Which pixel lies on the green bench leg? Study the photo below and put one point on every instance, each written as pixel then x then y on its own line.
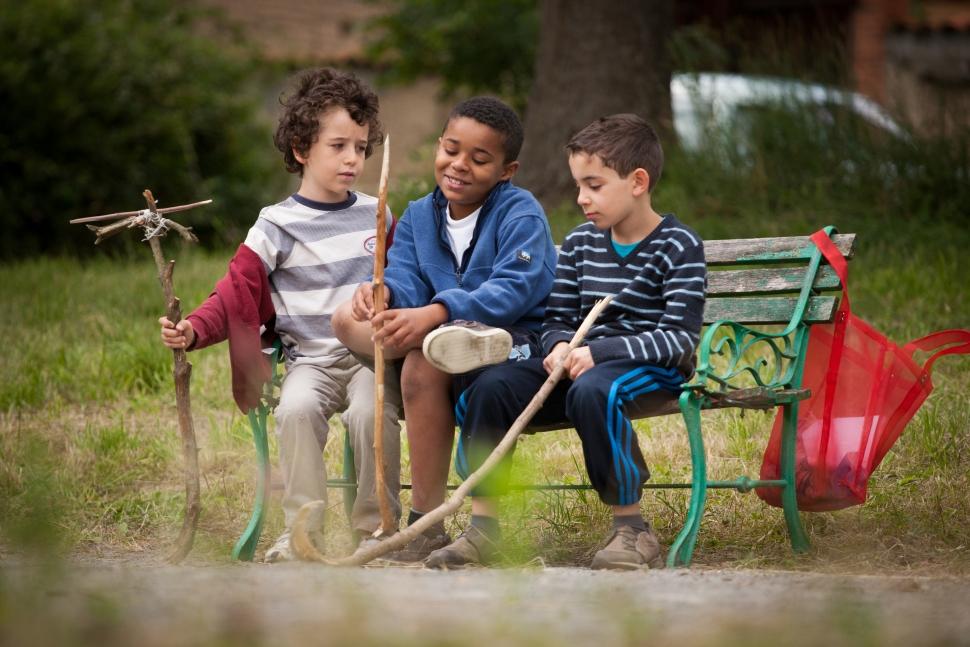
pixel 245 548
pixel 349 476
pixel 683 547
pixel 789 501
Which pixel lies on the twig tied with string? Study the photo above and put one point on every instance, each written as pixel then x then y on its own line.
pixel 388 527
pixel 154 226
pixel 306 550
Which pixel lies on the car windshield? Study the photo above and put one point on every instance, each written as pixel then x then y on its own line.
pixel 730 106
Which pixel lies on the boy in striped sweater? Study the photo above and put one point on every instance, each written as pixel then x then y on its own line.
pixel 636 356
pixel 301 258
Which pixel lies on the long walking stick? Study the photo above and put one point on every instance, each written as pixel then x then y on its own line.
pixel 387 517
pixel 306 550
pixel 155 226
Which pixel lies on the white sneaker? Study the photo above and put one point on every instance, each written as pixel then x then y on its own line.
pixel 462 346
pixel 280 551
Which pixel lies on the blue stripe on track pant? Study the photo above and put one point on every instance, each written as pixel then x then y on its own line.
pixel 596 404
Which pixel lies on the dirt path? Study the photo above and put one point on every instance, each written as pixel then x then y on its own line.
pixel 294 604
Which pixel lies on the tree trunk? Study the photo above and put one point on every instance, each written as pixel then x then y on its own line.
pixel 594 59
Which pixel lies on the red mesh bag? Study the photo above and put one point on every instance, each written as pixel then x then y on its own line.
pixel 865 389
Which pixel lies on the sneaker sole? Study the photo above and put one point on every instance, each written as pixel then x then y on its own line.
pixel 456 350
pixel 617 563
pixel 412 557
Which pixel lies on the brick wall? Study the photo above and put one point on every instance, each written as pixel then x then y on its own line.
pixel 928 78
pixel 871 22
pixel 308 30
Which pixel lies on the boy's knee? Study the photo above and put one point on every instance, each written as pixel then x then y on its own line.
pixel 342 322
pixel 360 416
pixel 300 419
pixel 418 377
pixel 299 405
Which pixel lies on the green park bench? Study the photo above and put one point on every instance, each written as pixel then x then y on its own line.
pixel 763 295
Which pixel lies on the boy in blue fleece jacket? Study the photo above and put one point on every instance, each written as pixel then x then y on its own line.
pixel 477 249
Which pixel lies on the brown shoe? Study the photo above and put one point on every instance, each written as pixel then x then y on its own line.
pixel 630 549
pixel 420 547
pixel 462 346
pixel 472 548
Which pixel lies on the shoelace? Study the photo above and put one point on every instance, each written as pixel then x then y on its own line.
pixel 628 536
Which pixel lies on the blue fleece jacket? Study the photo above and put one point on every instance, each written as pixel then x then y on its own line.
pixel 505 274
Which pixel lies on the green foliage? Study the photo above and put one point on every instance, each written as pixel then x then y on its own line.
pixel 103 99
pixel 106 339
pixel 475 47
pixel 787 50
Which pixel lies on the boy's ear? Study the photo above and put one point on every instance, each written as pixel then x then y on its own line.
pixel 510 170
pixel 300 157
pixel 641 182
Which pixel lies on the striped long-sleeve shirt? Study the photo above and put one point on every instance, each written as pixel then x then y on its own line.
pixel 315 255
pixel 658 295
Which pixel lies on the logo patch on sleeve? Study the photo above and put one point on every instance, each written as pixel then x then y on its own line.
pixel 524 256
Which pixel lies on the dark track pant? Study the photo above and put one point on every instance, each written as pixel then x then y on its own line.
pixel 596 404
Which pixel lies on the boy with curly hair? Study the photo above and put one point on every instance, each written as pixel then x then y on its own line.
pixel 303 257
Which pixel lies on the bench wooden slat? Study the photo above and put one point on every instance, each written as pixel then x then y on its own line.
pixel 739 251
pixel 767 310
pixel 768 280
pixel 752 398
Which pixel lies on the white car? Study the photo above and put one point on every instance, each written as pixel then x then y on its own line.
pixel 708 104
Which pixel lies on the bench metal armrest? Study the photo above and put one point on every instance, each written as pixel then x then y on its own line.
pixel 776 361
pixel 735 343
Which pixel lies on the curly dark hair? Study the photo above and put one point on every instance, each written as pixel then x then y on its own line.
pixel 625 142
pixel 317 91
pixel 498 116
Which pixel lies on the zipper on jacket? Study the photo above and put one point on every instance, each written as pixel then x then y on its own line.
pixel 442 236
pixel 454 263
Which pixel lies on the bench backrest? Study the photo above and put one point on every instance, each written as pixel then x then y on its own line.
pixel 757 280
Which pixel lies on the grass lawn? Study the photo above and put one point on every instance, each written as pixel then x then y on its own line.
pixel 90 459
pixel 89 452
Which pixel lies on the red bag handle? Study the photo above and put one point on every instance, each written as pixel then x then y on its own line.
pixel 958 341
pixel 929 343
pixel 937 340
pixel 837 261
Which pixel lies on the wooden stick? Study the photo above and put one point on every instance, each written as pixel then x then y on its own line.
pixel 125 214
pixel 388 527
pixel 182 372
pixel 307 551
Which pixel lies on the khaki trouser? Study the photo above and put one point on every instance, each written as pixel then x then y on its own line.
pixel 309 396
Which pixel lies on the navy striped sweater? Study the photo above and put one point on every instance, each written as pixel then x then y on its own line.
pixel 658 295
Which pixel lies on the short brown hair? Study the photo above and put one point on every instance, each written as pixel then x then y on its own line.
pixel 625 142
pixel 318 91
